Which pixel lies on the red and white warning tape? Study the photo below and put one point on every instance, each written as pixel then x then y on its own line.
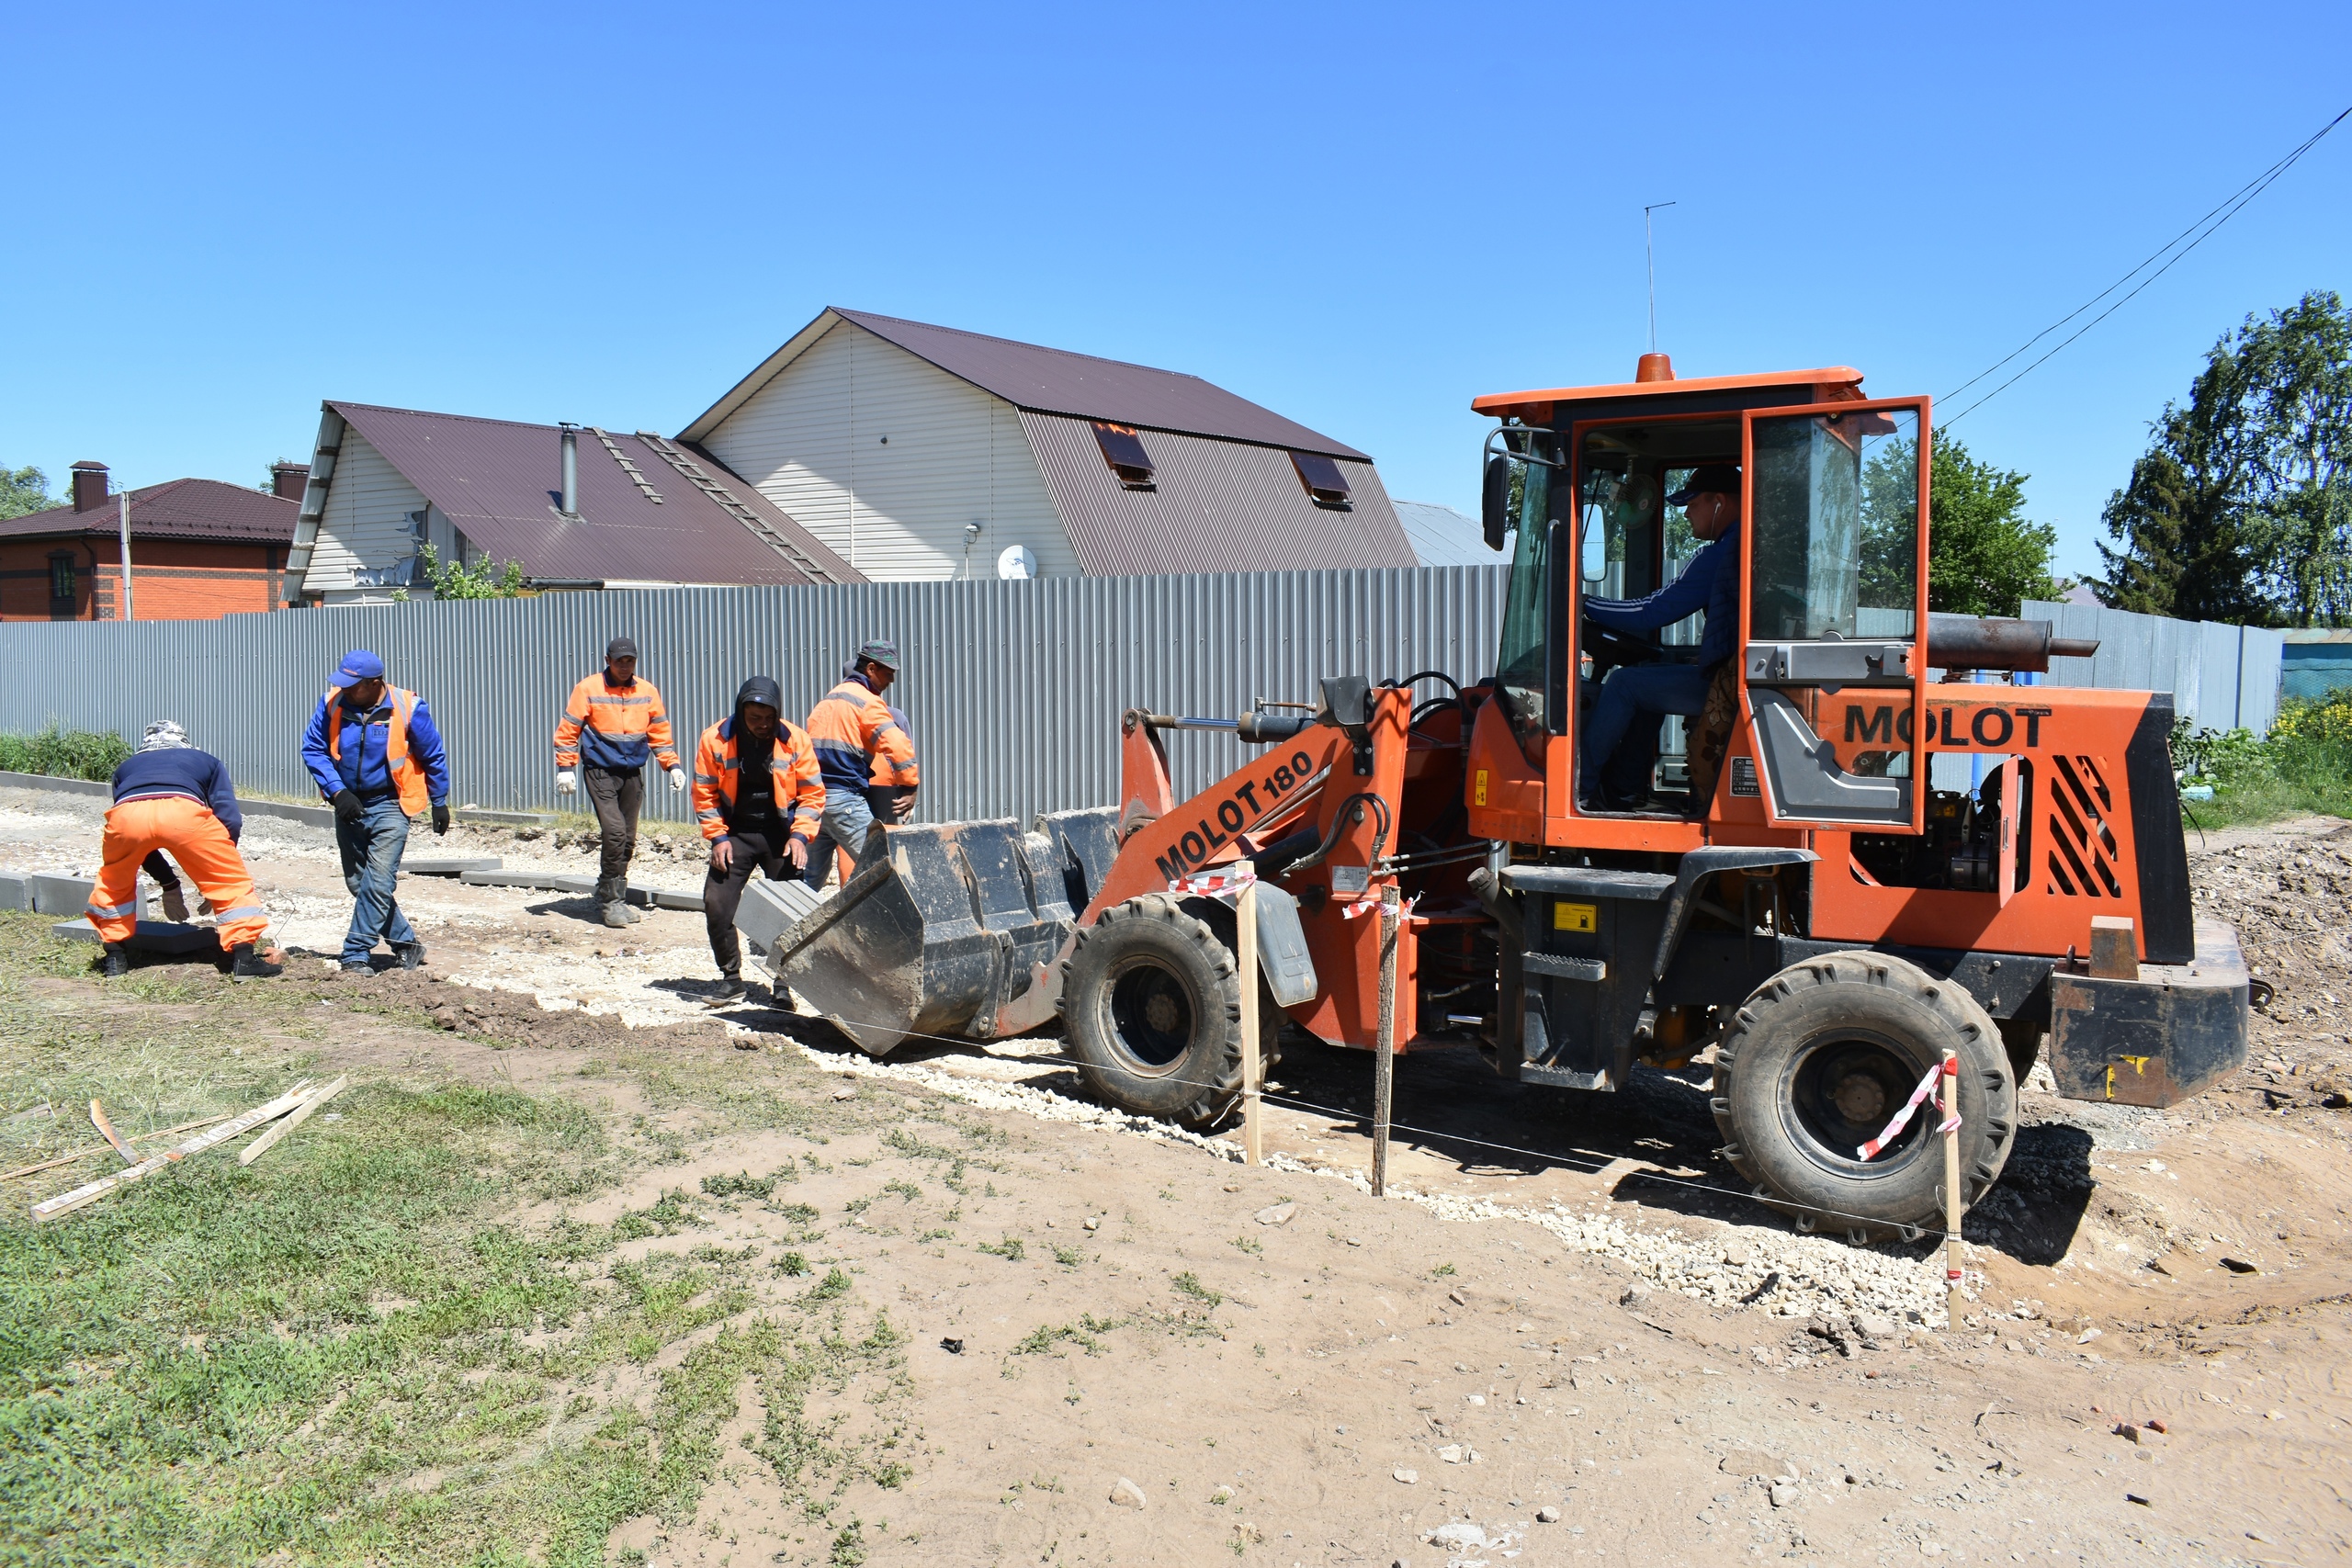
pixel 1231 880
pixel 1903 1117
pixel 1366 906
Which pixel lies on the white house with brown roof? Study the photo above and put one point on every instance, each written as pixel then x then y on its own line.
pixel 919 452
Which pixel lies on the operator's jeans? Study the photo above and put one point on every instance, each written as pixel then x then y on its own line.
pixel 371 867
pixel 1649 692
pixel 849 822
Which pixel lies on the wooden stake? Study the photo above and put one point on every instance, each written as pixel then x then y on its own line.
pixel 1951 1192
pixel 1253 1067
pixel 294 1119
pixel 1384 1048
pixel 90 1193
pixel 101 1148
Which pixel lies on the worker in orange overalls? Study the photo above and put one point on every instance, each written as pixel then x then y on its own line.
pixel 613 722
pixel 169 795
pixel 373 750
pixel 758 800
pixel 860 744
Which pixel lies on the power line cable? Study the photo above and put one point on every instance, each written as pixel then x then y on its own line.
pixel 2171 252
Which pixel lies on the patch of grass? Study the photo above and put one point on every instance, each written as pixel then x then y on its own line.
pixel 792 1265
pixel 1084 1333
pixel 907 1190
pixel 2302 767
pixel 1068 1257
pixel 743 1186
pixel 1010 1249
pixel 59 753
pixel 1250 1244
pixel 1442 1271
pixel 1189 1284
pixel 229 1364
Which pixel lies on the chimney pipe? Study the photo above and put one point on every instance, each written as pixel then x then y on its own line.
pixel 89 486
pixel 286 480
pixel 570 468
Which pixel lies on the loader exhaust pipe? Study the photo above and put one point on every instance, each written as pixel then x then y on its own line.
pixel 1970 642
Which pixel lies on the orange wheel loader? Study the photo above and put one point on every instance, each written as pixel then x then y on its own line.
pixel 1768 868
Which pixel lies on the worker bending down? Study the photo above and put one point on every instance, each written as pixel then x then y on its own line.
pixel 613 722
pixel 374 753
pixel 169 795
pixel 758 800
pixel 860 745
pixel 1647 693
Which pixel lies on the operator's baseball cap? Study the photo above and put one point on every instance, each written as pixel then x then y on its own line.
pixel 358 665
pixel 1720 479
pixel 621 648
pixel 883 651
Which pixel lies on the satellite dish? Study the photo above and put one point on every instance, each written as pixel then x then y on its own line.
pixel 1016 564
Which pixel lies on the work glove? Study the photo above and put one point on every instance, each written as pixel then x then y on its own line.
pixel 440 820
pixel 677 778
pixel 346 805
pixel 566 781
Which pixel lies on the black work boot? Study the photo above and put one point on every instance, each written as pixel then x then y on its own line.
pixel 244 964
pixel 731 991
pixel 410 954
pixel 118 960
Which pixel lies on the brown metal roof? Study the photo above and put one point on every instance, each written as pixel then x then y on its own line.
pixel 177 509
pixel 1053 381
pixel 501 482
pixel 1217 506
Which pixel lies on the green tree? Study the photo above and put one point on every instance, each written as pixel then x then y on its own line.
pixel 23 490
pixel 1986 558
pixel 455 579
pixel 2241 509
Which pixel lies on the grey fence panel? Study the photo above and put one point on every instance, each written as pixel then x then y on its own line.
pixel 2221 677
pixel 1012 690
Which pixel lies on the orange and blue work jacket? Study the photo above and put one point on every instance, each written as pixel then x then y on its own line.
pixel 858 743
pixel 798 793
pixel 613 727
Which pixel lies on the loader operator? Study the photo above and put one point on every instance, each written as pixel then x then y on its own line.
pixel 1647 693
pixel 613 722
pixel 758 801
pixel 861 745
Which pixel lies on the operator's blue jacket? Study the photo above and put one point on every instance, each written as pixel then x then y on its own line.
pixel 1710 582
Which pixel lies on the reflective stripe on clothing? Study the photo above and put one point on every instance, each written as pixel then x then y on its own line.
pixel 194 837
pixel 791 772
pixel 857 742
pixel 616 728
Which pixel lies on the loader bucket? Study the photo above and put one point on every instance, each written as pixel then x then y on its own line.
pixel 942 929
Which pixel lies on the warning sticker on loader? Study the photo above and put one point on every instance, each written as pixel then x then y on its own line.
pixel 1568 917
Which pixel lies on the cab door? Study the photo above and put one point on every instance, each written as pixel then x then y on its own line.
pixel 1834 600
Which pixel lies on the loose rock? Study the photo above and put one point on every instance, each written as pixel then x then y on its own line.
pixel 1126 1493
pixel 1278 1214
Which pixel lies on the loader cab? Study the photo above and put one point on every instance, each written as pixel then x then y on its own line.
pixel 1828 547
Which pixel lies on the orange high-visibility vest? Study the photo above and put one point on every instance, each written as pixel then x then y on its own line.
pixel 408 779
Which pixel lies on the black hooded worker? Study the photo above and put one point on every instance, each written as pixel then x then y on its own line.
pixel 758 800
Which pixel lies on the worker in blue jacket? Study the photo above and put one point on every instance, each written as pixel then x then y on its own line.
pixel 374 753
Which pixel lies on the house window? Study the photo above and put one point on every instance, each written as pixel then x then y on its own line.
pixel 1326 486
pixel 61 577
pixel 1122 450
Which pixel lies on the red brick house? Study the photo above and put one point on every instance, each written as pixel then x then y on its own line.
pixel 199 549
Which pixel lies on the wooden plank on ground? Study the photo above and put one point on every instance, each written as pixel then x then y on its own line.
pixel 90 1193
pixel 311 1101
pixel 101 1148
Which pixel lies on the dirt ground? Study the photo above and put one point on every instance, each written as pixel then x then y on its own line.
pixel 1568 1340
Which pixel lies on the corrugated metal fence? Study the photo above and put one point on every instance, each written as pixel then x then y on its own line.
pixel 2221 677
pixel 1012 690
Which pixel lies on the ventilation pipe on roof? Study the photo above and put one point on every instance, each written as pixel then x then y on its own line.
pixel 570 468
pixel 89 485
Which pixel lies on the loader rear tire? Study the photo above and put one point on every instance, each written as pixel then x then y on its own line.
pixel 1818 1060
pixel 1152 1002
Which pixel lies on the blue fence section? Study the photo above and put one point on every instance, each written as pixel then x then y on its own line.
pixel 2221 677
pixel 1012 690
pixel 2318 662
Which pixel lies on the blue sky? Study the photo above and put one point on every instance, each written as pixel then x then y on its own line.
pixel 1360 216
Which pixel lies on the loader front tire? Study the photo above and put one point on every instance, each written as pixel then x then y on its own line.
pixel 1817 1061
pixel 1152 1002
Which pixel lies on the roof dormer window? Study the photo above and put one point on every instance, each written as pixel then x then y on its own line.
pixel 1326 486
pixel 1122 450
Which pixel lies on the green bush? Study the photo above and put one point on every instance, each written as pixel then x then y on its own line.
pixel 64 754
pixel 2303 765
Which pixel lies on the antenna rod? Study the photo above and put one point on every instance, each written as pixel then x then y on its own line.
pixel 1649 254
